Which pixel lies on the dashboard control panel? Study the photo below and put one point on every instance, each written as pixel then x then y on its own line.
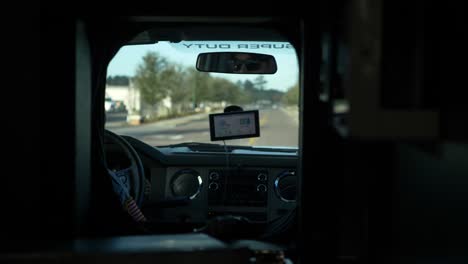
pixel 238 187
pixel 260 194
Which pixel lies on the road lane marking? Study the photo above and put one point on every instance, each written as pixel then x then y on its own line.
pixel 291 113
pixel 176 137
pixel 263 121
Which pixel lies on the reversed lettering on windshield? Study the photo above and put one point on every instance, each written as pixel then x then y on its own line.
pixel 237 46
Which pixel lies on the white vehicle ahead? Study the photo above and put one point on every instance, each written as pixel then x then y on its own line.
pixel 109 105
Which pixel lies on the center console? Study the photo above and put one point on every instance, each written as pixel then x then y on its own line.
pixel 238 191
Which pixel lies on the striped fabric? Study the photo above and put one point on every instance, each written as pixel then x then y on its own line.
pixel 122 192
pixel 134 211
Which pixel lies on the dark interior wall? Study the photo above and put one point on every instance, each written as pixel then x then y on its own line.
pixel 430 181
pixel 56 151
pixel 403 54
pixel 21 122
pixel 403 199
pixel 366 196
pixel 423 63
pixel 453 58
pixel 39 123
pixel 432 189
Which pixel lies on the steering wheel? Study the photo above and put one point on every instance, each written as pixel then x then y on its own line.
pixel 134 175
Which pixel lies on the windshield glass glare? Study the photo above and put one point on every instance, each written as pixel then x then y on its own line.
pixel 154 93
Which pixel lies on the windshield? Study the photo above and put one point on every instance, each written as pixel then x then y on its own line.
pixel 160 98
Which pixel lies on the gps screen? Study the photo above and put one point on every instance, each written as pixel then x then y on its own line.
pixel 234 125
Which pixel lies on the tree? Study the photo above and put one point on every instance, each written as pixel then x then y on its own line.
pixel 233 93
pixel 199 84
pixel 249 86
pixel 173 78
pixel 250 91
pixel 260 82
pixel 118 80
pixel 225 90
pixel 148 78
pixel 292 96
pixel 272 95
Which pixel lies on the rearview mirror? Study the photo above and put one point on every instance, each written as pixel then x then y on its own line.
pixel 236 62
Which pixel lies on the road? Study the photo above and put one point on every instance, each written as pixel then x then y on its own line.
pixel 278 127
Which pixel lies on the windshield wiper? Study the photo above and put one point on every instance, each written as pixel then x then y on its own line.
pixel 208 147
pixel 213 147
pixel 197 146
pixel 192 144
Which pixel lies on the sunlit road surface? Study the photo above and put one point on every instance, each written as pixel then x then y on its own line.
pixel 278 127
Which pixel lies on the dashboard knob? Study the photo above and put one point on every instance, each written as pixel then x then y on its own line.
pixel 261 188
pixel 213 186
pixel 262 177
pixel 214 176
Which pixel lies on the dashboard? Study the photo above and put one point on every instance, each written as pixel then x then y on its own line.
pixel 257 184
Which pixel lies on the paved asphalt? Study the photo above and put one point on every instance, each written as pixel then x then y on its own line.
pixel 278 127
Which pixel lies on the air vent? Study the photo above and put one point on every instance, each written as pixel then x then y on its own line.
pixel 286 186
pixel 186 183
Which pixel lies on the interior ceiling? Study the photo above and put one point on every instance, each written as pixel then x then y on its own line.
pixel 214 32
pixel 208 28
pixel 204 19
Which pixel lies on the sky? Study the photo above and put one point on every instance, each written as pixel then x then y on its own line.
pixel 185 53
